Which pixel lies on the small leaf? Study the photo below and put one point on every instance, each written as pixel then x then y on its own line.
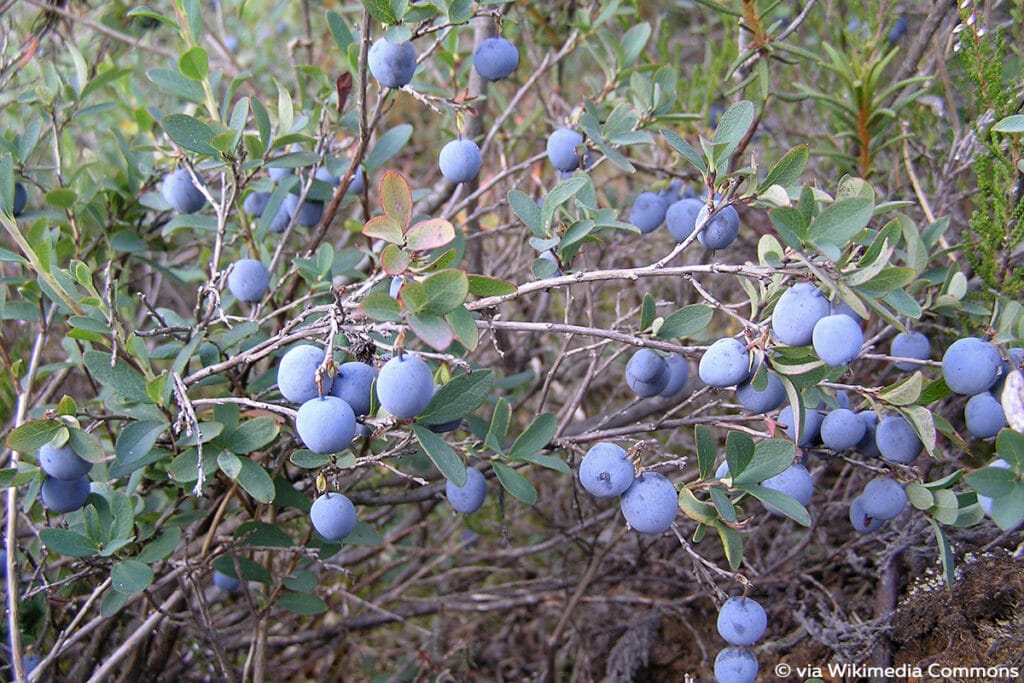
pixel 785 504
pixel 686 322
pixel 921 418
pixel 739 451
pixel 384 228
pixel 31 436
pixel 705 440
pixel 395 260
pixel 771 457
pixel 1010 446
pixel 993 482
pixel 647 312
pixel 458 398
pixel 120 376
pixel 732 543
pixel 429 234
pixel 840 222
pixel 262 534
pixel 515 483
pixel 305 604
pixel 685 150
pixel 733 125
pixel 396 199
pixel 381 307
pixel 189 133
pixel 920 497
pixel 1011 124
pixel 483 286
pixel 137 440
pixel 442 455
pixel 788 170
pixel 70 543
pixel 309 460
pixel 251 435
pixel 528 212
pixel 432 329
pixel 130 576
pixel 388 145
pixel 438 293
pixel 904 392
pixel 194 64
pixel 945 554
pixel 1008 510
pixel 381 11
pixel 161 547
pixel 695 509
pixel 498 427
pixel 536 437
pixel 255 480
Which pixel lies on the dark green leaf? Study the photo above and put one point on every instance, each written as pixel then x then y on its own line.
pixel 340 31
pixel 705 440
pixel 432 329
pixel 194 64
pixel 381 11
pixel 189 133
pixel 723 505
pixel 262 534
pixel 68 542
pixel 86 445
pixel 442 455
pixel 255 480
pixel 31 436
pixel 515 483
pixel 251 435
pixel 739 451
pixel 770 457
pixel 732 543
pixel 120 376
pixel 787 505
pixel 686 322
pixel 840 222
pixel 788 170
pixel 685 150
pixel 305 604
pixel 1008 510
pixel 483 286
pixel 1010 445
pixel 172 82
pixel 528 211
pixel 161 547
pixel 458 398
pixel 647 311
pixel 945 554
pixel 388 145
pixel 137 439
pixel 130 576
pixel 381 307
pixel 535 437
pixel 550 462
pixel 498 427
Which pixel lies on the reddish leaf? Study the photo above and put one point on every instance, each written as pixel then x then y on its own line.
pixel 344 85
pixel 384 228
pixel 396 199
pixel 429 234
pixel 433 330
pixel 395 260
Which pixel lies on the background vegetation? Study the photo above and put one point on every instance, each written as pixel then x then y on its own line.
pixel 885 167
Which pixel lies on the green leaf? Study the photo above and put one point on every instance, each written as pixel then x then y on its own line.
pixel 194 64
pixel 739 451
pixel 921 419
pixel 70 543
pixel 395 198
pixel 31 436
pixel 732 543
pixel 189 133
pixel 137 439
pixel 726 510
pixel 1011 124
pixel 550 462
pixel 432 329
pixel 791 224
pixel 364 534
pixel 262 534
pixel 920 497
pixel 230 464
pixel 732 127
pixel 945 554
pixel 388 145
pixel 394 260
pixel 305 604
pixel 686 322
pixel 695 509
pixel 463 324
pixel 381 10
pixel 483 286
pixel 705 440
pixel 1010 446
pixel 458 398
pixel 535 437
pixel 787 505
pixel 255 480
pixel 161 547
pixel 515 483
pixel 172 82
pixel 441 454
pixel 309 460
pixel 560 194
pixel 685 150
pixel 905 392
pixel 770 457
pixel 993 482
pixel 528 211
pixel 86 445
pixel 251 435
pixel 430 234
pixel 788 170
pixel 381 306
pixel 840 222
pixel 120 377
pixel 647 312
pixel 340 31
pixel 498 427
pixel 1008 510
pixel 889 279
pixel 130 576
pixel 436 294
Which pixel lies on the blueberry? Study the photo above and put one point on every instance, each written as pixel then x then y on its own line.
pixel 910 345
pixel 863 522
pixel 62 463
pixel 60 495
pixel 459 161
pixel 392 64
pixel 650 503
pixel 325 425
pixel 741 621
pixel 354 384
pixel 726 363
pixel 249 280
pixel 842 429
pixel 794 481
pixel 681 217
pixel 678 374
pixel 495 58
pixel 796 312
pixel 984 415
pixel 225 582
pixel 20 200
pixel 837 339
pixel 405 386
pixel 897 30
pixel 561 149
pixel 309 213
pixel 469 498
pixel 720 230
pixel 281 220
pixel 671 193
pixel 883 498
pixel 255 202
pixel 333 516
pixel 31 662
pixel 355 186
pixel 647 373
pixel 810 426
pixel 971 365
pixel 735 665
pixel 181 193
pixel 867 446
pixel 296 373
pixel 764 401
pixel 897 441
pixel 606 470
pixel 648 211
